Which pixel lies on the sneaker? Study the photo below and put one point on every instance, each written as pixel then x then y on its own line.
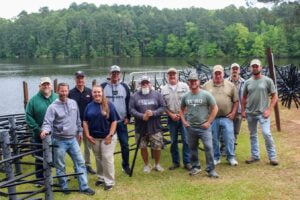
pixel 126 170
pixel 194 171
pixel 158 168
pixel 274 162
pixel 188 167
pixel 90 170
pixel 251 160
pixel 88 191
pixel 147 169
pixel 38 185
pixel 108 187
pixel 213 174
pixel 174 166
pixel 216 162
pixel 99 183
pixel 66 191
pixel 233 162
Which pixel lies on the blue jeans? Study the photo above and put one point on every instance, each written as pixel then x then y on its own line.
pixel 174 128
pixel 122 133
pixel 71 147
pixel 193 140
pixel 224 126
pixel 265 126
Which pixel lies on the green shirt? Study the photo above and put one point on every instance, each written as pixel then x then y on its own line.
pixel 258 92
pixel 36 110
pixel 198 107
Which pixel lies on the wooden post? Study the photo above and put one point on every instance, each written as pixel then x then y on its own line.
pixel 55 85
pixel 25 93
pixel 273 77
pixel 94 82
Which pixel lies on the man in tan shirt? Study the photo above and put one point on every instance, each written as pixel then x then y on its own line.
pixel 226 97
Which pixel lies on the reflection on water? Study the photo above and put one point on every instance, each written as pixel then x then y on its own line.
pixel 14 71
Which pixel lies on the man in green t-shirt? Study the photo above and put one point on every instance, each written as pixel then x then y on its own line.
pixel 256 108
pixel 198 110
pixel 35 112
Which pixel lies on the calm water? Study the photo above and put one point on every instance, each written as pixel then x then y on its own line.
pixel 14 71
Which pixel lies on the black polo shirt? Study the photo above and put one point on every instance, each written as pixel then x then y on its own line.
pixel 82 98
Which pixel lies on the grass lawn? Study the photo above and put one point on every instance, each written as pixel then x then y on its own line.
pixel 255 181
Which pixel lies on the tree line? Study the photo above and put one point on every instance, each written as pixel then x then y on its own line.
pixel 85 30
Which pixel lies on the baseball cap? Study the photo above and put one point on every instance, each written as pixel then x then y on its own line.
pixel 255 62
pixel 144 78
pixel 218 68
pixel 172 69
pixel 234 65
pixel 79 74
pixel 193 76
pixel 115 68
pixel 45 80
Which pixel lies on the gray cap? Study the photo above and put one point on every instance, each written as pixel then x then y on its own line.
pixel 193 76
pixel 79 74
pixel 45 80
pixel 115 68
pixel 144 78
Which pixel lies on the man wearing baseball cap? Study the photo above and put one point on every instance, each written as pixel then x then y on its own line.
pixel 118 94
pixel 147 106
pixel 35 113
pixel 257 109
pixel 172 93
pixel 83 96
pixel 226 97
pixel 200 108
pixel 238 81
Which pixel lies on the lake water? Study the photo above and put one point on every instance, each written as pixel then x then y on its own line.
pixel 14 71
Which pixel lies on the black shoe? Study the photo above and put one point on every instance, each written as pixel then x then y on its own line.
pixel 88 191
pixel 274 162
pixel 174 166
pixel 99 183
pixel 66 191
pixel 127 170
pixel 188 167
pixel 108 187
pixel 251 160
pixel 90 170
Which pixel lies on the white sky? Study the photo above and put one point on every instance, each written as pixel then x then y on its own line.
pixel 11 8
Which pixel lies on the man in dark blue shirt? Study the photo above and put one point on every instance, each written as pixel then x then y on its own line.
pixel 83 96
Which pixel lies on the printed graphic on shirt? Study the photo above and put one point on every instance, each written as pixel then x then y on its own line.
pixel 194 102
pixel 146 102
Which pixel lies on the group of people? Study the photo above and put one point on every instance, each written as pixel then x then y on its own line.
pixel 212 112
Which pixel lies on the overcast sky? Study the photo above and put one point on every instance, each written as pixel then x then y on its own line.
pixel 11 8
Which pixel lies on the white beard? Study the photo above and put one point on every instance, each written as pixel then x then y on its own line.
pixel 145 91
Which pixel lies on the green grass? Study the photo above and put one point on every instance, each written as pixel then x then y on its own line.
pixel 256 181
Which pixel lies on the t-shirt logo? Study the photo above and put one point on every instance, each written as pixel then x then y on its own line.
pixel 115 92
pixel 194 102
pixel 88 96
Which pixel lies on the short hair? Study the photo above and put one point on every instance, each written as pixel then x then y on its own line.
pixel 62 85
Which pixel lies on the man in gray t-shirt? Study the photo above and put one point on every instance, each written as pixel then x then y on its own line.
pixel 256 108
pixel 200 108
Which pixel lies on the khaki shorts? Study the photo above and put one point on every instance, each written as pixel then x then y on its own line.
pixel 155 140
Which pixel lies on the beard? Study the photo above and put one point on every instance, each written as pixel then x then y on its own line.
pixel 256 73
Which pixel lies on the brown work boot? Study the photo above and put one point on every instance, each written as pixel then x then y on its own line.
pixel 252 160
pixel 274 162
